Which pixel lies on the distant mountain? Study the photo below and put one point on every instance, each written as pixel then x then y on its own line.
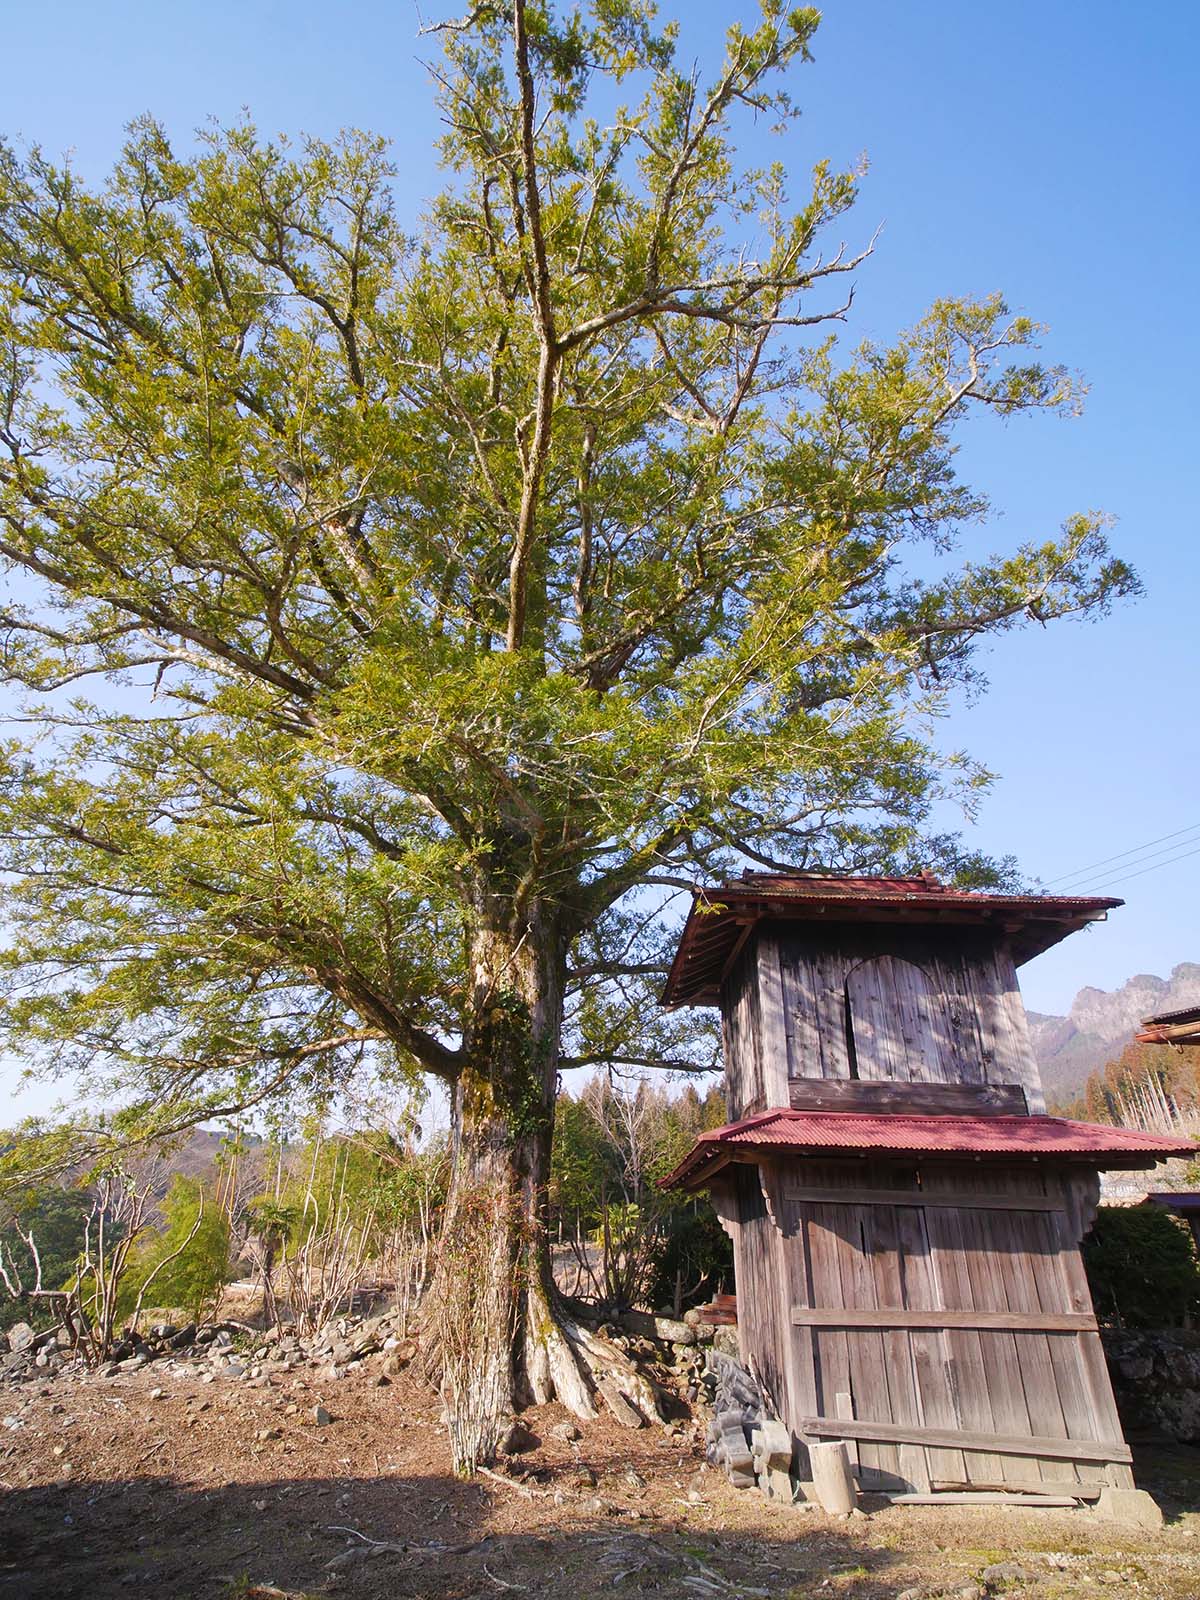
pixel 1100 1023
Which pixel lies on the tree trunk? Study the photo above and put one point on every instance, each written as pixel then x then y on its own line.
pixel 503 1338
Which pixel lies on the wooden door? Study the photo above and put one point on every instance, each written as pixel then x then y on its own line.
pixel 942 1326
pixel 902 1028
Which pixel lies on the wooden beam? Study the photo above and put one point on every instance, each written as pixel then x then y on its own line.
pixel 1102 1450
pixel 983 1498
pixel 738 944
pixel 1070 1488
pixel 900 1317
pixel 914 1099
pixel 922 1197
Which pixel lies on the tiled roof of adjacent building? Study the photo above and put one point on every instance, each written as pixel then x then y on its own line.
pixel 1181 1027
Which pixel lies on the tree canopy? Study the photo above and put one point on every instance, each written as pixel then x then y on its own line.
pixel 403 610
pixel 555 549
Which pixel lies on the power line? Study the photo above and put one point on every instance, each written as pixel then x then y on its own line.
pixel 1080 872
pixel 1130 875
pixel 1138 861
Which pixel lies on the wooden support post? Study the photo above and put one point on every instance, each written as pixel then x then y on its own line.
pixel 832 1478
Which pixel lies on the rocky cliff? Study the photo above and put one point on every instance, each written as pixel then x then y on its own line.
pixel 1100 1023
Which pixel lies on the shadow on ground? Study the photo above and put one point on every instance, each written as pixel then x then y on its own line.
pixel 441 1539
pixel 311 1536
pixel 1171 1472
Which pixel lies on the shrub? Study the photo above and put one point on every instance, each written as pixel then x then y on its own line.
pixel 1142 1268
pixel 193 1279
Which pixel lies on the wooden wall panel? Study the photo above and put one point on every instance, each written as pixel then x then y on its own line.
pixel 814 979
pixel 900 1025
pixel 967 1025
pixel 928 1386
pixel 914 1099
pixel 1080 1192
pixel 759 1271
pixel 743 1043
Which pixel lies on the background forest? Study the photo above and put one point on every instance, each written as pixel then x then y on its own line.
pixel 313 1221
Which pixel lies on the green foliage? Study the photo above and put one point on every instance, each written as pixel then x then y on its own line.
pixel 1142 1268
pixel 366 1176
pixel 186 1265
pixel 381 592
pixel 55 1217
pixel 611 1147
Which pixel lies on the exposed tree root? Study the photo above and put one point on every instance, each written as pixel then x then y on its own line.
pixel 570 1363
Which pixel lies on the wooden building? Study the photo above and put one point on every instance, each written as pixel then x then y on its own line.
pixel 1171 1027
pixel 906 1219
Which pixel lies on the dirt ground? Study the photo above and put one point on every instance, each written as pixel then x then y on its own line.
pixel 110 1488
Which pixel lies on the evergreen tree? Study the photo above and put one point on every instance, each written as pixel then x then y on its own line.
pixel 402 615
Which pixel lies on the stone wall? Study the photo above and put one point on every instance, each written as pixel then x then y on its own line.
pixel 1156 1377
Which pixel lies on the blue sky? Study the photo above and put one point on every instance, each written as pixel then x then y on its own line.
pixel 1048 150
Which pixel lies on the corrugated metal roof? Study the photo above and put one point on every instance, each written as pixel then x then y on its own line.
pixel 851 1132
pixel 721 918
pixel 1173 1019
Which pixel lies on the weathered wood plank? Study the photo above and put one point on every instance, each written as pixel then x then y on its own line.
pixel 900 1023
pixel 868 1372
pixel 844 1405
pixel 915 1099
pixel 1029 1486
pixel 801 1031
pixel 1079 1195
pixel 828 969
pixel 1054 1293
pixel 924 1197
pixel 966 1373
pixel 1013 1249
pixel 832 1353
pixel 900 1317
pixel 952 1497
pixel 931 1365
pixel 776 1249
pixel 882 1243
pixel 1001 1369
pixel 740 1027
pixel 1015 1060
pixel 757 1268
pixel 796 1282
pixel 1001 1443
pixel 773 1047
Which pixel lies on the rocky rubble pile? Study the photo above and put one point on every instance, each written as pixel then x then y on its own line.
pixel 230 1352
pixel 378 1346
pixel 26 1355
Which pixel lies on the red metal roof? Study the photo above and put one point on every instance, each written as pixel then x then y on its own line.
pixel 721 918
pixel 854 1133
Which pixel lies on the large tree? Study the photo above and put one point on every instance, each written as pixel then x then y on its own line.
pixel 398 617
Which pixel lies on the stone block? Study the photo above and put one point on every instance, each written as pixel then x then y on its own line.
pixel 1133 1507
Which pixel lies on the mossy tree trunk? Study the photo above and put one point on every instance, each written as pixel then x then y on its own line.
pixel 504 1338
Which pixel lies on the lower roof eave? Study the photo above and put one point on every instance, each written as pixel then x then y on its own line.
pixel 693 1174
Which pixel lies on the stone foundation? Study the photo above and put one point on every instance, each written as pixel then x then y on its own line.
pixel 1156 1379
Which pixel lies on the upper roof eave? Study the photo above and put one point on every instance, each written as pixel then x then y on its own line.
pixel 720 918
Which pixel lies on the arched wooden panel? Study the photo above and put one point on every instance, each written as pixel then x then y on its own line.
pixel 902 1027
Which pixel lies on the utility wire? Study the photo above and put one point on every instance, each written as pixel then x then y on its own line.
pixel 1130 875
pixel 1080 872
pixel 1137 861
